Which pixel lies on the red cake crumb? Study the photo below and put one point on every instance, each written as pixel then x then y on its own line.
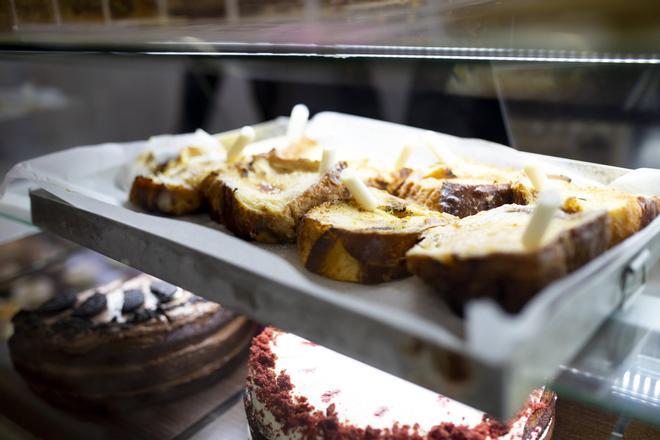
pixel 328 395
pixel 380 411
pixel 295 413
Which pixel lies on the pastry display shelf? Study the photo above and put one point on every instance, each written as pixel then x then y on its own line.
pixel 485 29
pixel 400 338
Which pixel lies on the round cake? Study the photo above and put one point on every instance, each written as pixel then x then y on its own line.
pixel 299 390
pixel 126 344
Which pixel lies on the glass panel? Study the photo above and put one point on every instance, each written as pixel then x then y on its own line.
pixel 620 368
pixel 485 29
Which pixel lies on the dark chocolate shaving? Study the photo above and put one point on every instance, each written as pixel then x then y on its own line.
pixel 71 326
pixel 163 291
pixel 57 304
pixel 133 299
pixel 143 316
pixel 92 306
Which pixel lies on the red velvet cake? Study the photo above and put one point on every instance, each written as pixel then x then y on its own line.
pixel 299 390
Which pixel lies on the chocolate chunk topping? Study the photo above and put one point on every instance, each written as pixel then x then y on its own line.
pixel 72 326
pixel 57 304
pixel 92 306
pixel 133 298
pixel 143 316
pixel 163 291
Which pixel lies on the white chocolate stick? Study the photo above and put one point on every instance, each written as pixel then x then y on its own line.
pixel 205 140
pixel 402 160
pixel 297 123
pixel 245 137
pixel 548 203
pixel 328 159
pixel 441 153
pixel 536 175
pixel 364 198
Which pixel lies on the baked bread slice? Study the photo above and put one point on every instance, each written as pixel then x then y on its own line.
pixel 264 198
pixel 341 241
pixel 460 190
pixel 175 187
pixel 628 213
pixel 483 255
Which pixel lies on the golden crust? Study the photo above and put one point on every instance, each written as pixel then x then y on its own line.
pixel 507 273
pixel 628 213
pixel 152 195
pixel 460 195
pixel 174 187
pixel 264 201
pixel 340 241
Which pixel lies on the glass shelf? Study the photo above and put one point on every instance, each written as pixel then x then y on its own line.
pixel 619 369
pixel 463 29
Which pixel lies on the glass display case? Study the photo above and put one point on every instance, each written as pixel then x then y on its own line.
pixel 576 81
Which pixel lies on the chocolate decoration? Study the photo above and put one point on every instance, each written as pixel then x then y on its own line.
pixel 58 303
pixel 143 316
pixel 117 365
pixel 92 306
pixel 163 291
pixel 72 326
pixel 133 299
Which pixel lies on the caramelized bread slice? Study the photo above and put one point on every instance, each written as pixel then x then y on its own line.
pixel 343 242
pixel 483 255
pixel 175 188
pixel 264 199
pixel 628 212
pixel 461 191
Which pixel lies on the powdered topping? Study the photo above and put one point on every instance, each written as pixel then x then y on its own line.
pixel 328 395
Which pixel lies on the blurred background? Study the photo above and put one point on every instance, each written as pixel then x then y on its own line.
pixel 575 80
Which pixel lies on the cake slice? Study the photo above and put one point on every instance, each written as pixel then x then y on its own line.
pixel 300 390
pixel 126 344
pixel 341 241
pixel 263 198
pixel 461 190
pixel 174 188
pixel 628 213
pixel 484 256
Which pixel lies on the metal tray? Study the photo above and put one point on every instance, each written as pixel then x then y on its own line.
pixel 487 359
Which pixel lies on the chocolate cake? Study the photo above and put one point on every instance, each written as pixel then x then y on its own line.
pixel 299 390
pixel 126 344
